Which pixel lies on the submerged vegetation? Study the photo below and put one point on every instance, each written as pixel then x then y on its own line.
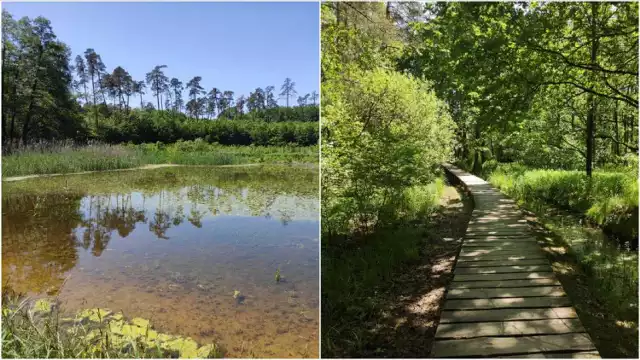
pixel 40 329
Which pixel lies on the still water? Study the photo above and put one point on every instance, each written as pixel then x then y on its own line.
pixel 174 246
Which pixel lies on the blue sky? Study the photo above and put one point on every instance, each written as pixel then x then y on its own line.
pixel 233 46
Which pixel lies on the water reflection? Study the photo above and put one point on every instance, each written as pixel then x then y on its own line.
pixel 174 246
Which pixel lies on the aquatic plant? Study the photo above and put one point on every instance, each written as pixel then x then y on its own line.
pixel 37 330
pixel 277 275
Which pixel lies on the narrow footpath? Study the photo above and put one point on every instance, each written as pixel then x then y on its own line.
pixel 504 300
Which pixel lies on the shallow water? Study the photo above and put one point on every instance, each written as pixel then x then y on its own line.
pixel 172 246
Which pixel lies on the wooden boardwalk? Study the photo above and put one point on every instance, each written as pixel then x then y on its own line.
pixel 504 300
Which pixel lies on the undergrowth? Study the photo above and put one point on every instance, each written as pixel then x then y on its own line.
pixel 354 265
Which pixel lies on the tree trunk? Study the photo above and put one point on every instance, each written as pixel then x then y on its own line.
pixel 141 104
pixel 591 99
pixel 104 100
pixel 617 130
pixel 93 92
pixel 27 119
pixel 477 160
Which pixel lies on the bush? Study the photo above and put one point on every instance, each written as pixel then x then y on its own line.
pixel 388 132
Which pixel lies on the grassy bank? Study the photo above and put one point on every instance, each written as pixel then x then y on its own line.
pixel 355 268
pixel 66 158
pixel 39 329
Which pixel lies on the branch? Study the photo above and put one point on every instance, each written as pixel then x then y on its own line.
pixel 604 136
pixel 591 67
pixel 625 99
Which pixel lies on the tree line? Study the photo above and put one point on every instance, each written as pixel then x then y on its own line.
pixel 45 96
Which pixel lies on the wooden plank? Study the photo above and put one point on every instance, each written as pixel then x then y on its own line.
pixel 505 328
pixel 507 257
pixel 506 303
pixel 503 283
pixel 498 225
pixel 465 264
pixel 502 244
pixel 455 316
pixel 484 241
pixel 495 232
pixel 507 247
pixel 503 276
pixel 475 252
pixel 558 355
pixel 488 346
pixel 517 292
pixel 502 269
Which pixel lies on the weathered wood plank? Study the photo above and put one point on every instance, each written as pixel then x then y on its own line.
pixel 455 316
pixel 488 293
pixel 491 252
pixel 557 355
pixel 487 346
pixel 506 257
pixel 504 276
pixel 506 303
pixel 502 269
pixel 501 244
pixel 465 264
pixel 504 299
pixel 503 284
pixel 504 328
pixel 485 241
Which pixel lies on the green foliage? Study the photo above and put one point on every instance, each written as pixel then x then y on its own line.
pixel 549 84
pixel 607 199
pixel 386 133
pixel 154 126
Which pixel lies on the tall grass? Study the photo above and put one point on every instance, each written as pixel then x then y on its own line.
pixel 65 157
pixel 607 199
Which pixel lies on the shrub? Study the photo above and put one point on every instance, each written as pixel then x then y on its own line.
pixel 386 133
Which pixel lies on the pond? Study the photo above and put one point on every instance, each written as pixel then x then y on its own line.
pixel 193 249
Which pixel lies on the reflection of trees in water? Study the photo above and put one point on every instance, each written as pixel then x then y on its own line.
pixel 38 242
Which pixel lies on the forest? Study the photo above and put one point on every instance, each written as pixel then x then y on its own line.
pixel 540 99
pixel 47 96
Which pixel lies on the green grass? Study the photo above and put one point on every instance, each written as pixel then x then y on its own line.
pixel 38 329
pixel 608 199
pixel 353 267
pixel 96 157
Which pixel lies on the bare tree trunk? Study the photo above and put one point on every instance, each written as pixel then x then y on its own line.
pixel 617 130
pixel 27 119
pixel 591 114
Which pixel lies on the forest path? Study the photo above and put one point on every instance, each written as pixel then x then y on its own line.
pixel 504 300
